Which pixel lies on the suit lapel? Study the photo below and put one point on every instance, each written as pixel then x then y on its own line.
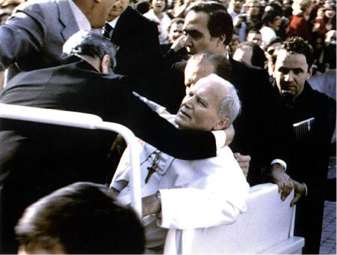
pixel 125 25
pixel 67 19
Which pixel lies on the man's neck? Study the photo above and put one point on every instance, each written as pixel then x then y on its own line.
pixel 221 50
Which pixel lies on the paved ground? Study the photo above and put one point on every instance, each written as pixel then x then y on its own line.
pixel 328 242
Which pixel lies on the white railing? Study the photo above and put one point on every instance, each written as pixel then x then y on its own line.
pixel 87 121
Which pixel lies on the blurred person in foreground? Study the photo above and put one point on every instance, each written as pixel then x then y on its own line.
pixel 81 218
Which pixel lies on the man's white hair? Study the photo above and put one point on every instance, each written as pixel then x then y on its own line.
pixel 230 105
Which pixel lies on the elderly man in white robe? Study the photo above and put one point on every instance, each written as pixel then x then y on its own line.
pixel 185 194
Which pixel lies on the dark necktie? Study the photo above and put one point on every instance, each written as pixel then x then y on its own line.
pixel 108 31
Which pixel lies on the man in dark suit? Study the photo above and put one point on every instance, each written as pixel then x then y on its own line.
pixel 208 27
pixel 136 39
pixel 311 119
pixel 36 159
pixel 33 37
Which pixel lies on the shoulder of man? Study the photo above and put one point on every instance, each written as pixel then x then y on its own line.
pixel 38 9
pixel 247 68
pixel 130 15
pixel 249 77
pixel 323 99
pixel 132 24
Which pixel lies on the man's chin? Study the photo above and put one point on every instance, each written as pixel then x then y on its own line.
pixel 180 122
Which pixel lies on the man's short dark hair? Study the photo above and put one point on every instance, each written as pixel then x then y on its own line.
pixel 269 17
pixel 298 45
pixel 220 23
pixel 90 44
pixel 84 218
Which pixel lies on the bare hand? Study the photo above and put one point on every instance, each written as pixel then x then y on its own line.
pixel 283 181
pixel 237 22
pixel 300 190
pixel 244 161
pixel 179 43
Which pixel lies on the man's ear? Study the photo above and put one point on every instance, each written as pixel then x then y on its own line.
pixel 221 40
pixel 309 74
pixel 106 64
pixel 222 124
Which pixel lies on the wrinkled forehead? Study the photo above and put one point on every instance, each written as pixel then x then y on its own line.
pixel 211 86
pixel 291 59
pixel 194 18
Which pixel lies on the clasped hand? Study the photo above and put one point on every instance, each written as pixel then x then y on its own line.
pixel 286 184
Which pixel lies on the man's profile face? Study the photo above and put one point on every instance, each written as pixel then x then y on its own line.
pixel 198 36
pixel 199 109
pixel 291 71
pixel 196 68
pixel 100 12
pixel 117 8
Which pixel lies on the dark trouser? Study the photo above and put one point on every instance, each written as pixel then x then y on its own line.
pixel 309 221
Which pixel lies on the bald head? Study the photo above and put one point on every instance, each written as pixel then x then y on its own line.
pixel 211 104
pixel 197 66
pixel 203 64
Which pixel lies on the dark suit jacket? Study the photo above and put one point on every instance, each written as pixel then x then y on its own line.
pixel 308 159
pixel 36 159
pixel 259 125
pixel 138 46
pixel 33 37
pixel 138 53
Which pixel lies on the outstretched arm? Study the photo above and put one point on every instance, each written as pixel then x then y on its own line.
pixel 184 144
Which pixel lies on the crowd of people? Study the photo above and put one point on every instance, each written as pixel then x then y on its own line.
pixel 223 95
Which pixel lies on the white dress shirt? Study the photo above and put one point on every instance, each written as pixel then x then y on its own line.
pixel 267 34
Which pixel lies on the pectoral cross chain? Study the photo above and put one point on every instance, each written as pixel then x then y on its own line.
pixel 153 168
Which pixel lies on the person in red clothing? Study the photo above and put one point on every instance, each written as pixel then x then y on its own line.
pixel 299 24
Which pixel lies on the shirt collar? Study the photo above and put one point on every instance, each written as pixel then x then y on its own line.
pixel 81 20
pixel 114 22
